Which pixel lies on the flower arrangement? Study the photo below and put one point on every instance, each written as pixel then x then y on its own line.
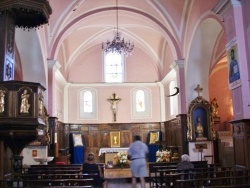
pixel 163 156
pixel 121 158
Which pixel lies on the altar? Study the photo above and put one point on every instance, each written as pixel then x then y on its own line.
pixel 113 173
pixel 109 153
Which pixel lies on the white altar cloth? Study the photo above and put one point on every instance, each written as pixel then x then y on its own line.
pixel 111 150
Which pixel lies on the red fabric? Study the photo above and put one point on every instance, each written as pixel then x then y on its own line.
pixel 60 163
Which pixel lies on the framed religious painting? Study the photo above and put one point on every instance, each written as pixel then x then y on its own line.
pixel 234 77
pixel 154 136
pixel 115 140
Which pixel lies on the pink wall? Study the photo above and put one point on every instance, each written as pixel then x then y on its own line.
pixel 218 89
pixel 103 108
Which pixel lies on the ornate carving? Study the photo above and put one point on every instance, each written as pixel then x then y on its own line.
pixel 10 40
pixel 9 71
pixel 197 107
pixel 24 108
pixel 28 14
pixel 2 100
pixel 40 104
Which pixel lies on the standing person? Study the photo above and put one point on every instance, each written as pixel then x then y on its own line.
pixel 137 154
pixel 91 167
pixel 185 164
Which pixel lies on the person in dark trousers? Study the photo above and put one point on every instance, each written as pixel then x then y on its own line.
pixel 137 153
pixel 90 167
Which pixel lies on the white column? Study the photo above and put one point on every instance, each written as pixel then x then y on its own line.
pixel 178 66
pixel 53 66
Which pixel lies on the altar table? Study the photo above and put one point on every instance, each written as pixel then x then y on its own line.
pixel 111 150
pixel 109 153
pixel 113 173
pixel 116 173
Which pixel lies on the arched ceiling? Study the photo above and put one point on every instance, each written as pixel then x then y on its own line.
pixel 156 27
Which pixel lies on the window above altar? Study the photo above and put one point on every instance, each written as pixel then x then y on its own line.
pixel 113 68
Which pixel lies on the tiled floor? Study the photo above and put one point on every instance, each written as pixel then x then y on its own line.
pixel 123 184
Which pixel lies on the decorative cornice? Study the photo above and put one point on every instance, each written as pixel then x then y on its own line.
pixel 221 7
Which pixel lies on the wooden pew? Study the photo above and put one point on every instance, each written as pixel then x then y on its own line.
pixel 156 171
pixel 50 182
pixel 56 176
pixel 213 182
pixel 211 178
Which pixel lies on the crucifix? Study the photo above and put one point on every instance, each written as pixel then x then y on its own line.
pixel 198 89
pixel 114 99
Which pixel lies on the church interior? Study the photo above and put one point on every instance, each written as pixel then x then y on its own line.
pixel 81 76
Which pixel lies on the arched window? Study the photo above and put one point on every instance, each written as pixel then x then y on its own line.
pixel 88 102
pixel 113 67
pixel 140 101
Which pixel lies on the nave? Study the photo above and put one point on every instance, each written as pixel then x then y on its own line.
pixel 159 175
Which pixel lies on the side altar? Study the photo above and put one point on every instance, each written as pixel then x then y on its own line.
pixel 200 127
pixel 109 153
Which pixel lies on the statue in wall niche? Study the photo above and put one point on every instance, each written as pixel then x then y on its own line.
pixel 40 104
pixel 25 102
pixel 214 106
pixel 2 96
pixel 200 130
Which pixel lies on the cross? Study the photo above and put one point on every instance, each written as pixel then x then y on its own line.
pixel 198 89
pixel 114 99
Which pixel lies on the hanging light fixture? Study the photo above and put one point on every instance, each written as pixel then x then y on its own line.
pixel 118 44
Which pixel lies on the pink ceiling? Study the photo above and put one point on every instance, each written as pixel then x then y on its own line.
pixel 157 28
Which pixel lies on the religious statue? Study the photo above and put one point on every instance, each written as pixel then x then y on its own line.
pixel 214 106
pixel 199 128
pixel 40 104
pixel 2 95
pixel 25 102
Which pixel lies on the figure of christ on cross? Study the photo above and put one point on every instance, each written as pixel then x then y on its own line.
pixel 114 99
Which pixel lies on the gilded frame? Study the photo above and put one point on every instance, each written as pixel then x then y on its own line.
pixel 196 106
pixel 115 139
pixel 154 136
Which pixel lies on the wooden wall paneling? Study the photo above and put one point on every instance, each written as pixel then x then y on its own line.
pixel 135 128
pixel 104 140
pixel 1 159
pixel 241 137
pixel 97 136
pixel 175 133
pixel 125 138
pixel 144 136
pixel 239 158
pixel 86 139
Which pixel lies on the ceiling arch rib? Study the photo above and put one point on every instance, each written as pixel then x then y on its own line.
pixel 96 39
pixel 72 25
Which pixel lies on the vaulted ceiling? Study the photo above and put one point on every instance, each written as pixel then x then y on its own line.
pixel 157 29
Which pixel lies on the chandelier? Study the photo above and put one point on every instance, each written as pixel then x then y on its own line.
pixel 118 44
